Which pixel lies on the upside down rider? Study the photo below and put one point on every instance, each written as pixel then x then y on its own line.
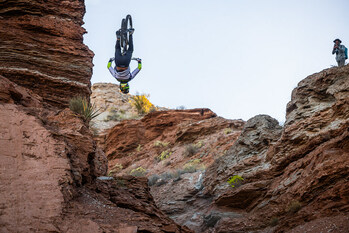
pixel 122 71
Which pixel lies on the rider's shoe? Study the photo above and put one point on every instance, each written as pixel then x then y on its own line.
pixel 131 31
pixel 118 34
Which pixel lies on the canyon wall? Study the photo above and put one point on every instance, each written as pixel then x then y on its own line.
pixel 41 48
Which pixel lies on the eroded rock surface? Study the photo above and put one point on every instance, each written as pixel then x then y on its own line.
pixel 304 174
pixel 53 175
pixel 41 47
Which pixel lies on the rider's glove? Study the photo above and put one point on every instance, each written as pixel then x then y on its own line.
pixel 139 60
pixel 111 59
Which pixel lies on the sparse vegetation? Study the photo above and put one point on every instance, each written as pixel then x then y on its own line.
pixel 115 115
pixel 182 107
pixel 235 181
pixel 142 104
pixel 193 166
pixel 153 179
pixel 138 172
pixel 227 130
pixel 139 148
pixel 161 144
pixel 191 150
pixel 294 207
pixel 83 108
pixel 164 155
pixel 115 169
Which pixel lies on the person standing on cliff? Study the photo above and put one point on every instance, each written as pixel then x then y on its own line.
pixel 340 51
pixel 121 71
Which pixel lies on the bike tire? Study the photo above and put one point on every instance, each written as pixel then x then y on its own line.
pixel 123 38
pixel 129 22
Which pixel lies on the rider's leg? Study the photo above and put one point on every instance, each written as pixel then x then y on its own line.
pixel 130 43
pixel 117 48
pixel 118 55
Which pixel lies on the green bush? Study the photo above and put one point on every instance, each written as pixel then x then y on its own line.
pixel 115 169
pixel 82 107
pixel 161 144
pixel 227 130
pixel 138 172
pixel 235 180
pixel 164 155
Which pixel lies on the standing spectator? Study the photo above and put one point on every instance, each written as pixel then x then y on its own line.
pixel 339 50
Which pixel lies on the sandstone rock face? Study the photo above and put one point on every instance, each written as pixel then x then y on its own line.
pixel 114 106
pixel 52 175
pixel 295 177
pixel 303 174
pixel 176 178
pixel 140 143
pixel 42 48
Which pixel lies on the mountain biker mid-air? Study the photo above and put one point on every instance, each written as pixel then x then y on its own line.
pixel 121 71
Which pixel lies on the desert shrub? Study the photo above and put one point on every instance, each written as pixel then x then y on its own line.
pixel 191 150
pixel 176 175
pixel 182 107
pixel 294 207
pixel 138 172
pixel 192 166
pixel 164 155
pixel 227 130
pixel 189 168
pixel 141 103
pixel 161 144
pixel 153 179
pixel 115 169
pixel 83 108
pixel 274 221
pixel 139 148
pixel 166 176
pixel 235 181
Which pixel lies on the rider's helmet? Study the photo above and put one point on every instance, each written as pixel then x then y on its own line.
pixel 125 88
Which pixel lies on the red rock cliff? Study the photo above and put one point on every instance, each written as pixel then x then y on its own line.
pixel 42 48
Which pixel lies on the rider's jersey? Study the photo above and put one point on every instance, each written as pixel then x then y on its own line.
pixel 126 75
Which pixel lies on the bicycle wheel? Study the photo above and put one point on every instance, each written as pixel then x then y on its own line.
pixel 128 22
pixel 123 36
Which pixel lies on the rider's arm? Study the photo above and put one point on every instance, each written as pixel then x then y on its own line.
pixel 135 72
pixel 110 68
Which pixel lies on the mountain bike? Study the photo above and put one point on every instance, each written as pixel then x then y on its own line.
pixel 126 26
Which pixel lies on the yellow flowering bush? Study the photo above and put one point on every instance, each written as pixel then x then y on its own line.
pixel 142 104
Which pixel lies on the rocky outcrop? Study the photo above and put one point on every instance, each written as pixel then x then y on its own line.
pixel 53 175
pixel 172 148
pixel 41 48
pixel 295 177
pixel 298 178
pixel 140 143
pixel 113 106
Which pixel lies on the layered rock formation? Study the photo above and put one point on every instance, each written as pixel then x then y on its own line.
pixel 295 178
pixel 52 173
pixel 140 143
pixel 41 47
